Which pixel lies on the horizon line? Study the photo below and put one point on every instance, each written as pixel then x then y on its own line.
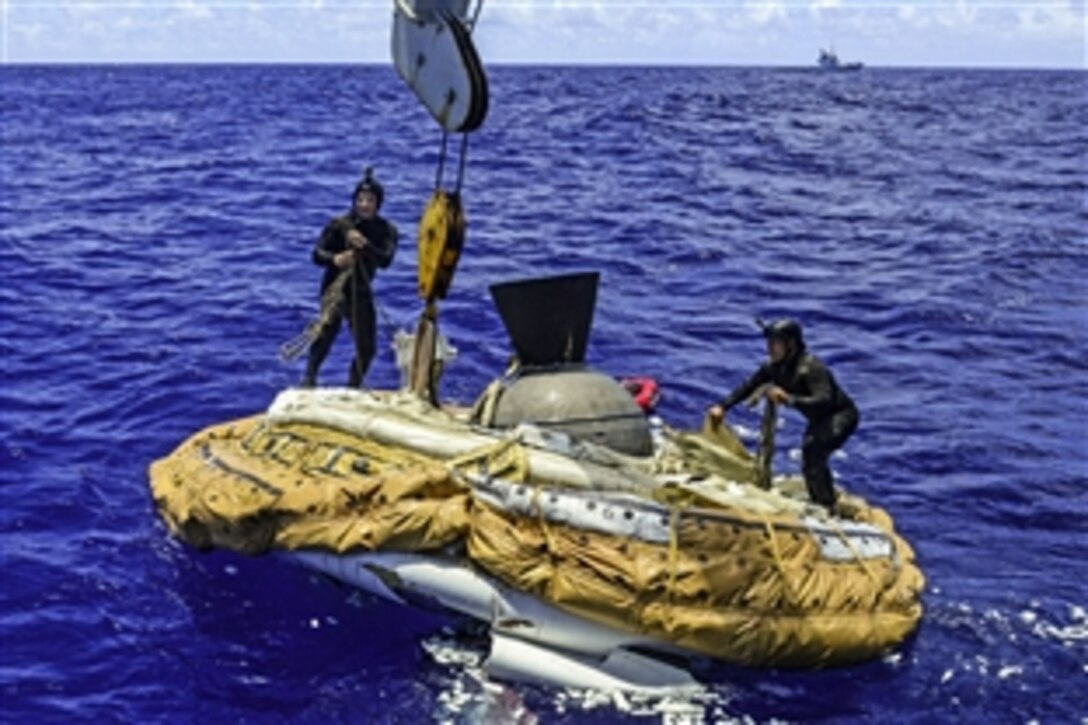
pixel 536 64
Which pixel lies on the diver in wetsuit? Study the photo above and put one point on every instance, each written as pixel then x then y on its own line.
pixel 359 241
pixel 796 378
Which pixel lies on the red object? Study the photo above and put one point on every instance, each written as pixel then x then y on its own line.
pixel 645 392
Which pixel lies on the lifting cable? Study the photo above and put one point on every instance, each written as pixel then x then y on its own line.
pixel 462 158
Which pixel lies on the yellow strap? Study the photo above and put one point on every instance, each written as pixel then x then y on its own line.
pixel 506 458
pixel 779 563
pixel 674 558
pixel 520 463
pixel 549 540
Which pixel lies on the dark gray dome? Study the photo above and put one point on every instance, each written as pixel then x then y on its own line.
pixel 578 401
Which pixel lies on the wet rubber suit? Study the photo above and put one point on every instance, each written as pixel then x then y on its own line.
pixel 832 415
pixel 358 302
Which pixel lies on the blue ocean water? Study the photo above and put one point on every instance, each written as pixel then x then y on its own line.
pixel 928 227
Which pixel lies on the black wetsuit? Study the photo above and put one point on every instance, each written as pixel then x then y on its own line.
pixel 357 302
pixel 832 415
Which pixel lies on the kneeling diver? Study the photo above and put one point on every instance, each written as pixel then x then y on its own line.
pixel 799 379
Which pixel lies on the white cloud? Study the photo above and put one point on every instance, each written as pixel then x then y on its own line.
pixel 1054 20
pixel 78 9
pixel 195 10
pixel 818 7
pixel 960 15
pixel 763 12
pixel 766 32
pixel 29 32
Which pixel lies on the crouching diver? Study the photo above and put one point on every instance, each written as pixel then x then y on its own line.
pixel 351 249
pixel 794 377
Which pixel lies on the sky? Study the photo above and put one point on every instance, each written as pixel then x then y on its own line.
pixel 974 33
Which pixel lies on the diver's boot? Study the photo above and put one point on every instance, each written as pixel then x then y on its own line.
pixel 355 375
pixel 309 379
pixel 820 484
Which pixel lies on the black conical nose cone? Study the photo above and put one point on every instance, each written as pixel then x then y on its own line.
pixel 548 318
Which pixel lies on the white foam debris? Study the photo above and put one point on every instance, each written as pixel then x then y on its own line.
pixel 446 652
pixel 746 433
pixel 1028 616
pixel 683 713
pixel 947 676
pixel 591 699
pixel 1068 634
pixel 1008 671
pixel 1071 633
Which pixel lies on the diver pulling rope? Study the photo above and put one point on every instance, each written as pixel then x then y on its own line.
pixel 331 300
pixel 351 250
pixel 434 55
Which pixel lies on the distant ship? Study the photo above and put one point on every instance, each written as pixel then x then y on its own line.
pixel 830 61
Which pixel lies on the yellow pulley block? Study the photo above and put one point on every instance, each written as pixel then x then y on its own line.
pixel 441 234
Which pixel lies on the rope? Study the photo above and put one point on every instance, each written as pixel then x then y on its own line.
pixel 441 160
pixel 461 163
pixel 377 305
pixel 330 300
pixel 674 558
pixel 780 565
pixel 475 15
pixel 462 158
pixel 514 467
pixel 549 539
pixel 484 411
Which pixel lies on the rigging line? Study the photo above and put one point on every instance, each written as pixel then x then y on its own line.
pixel 475 15
pixel 441 161
pixel 331 299
pixel 353 314
pixel 377 305
pixel 461 163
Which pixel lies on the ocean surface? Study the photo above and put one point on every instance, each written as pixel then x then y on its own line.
pixel 929 229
